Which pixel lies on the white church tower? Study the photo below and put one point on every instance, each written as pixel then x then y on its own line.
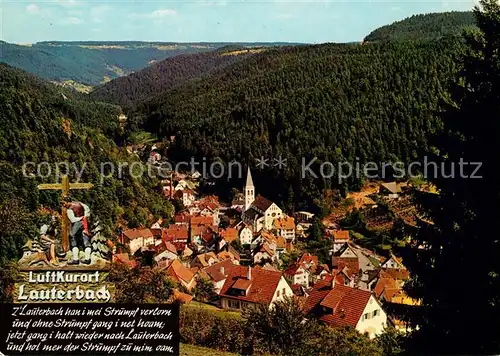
pixel 249 190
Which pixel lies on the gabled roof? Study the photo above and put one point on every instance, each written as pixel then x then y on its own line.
pixel 262 203
pixel 201 220
pixel 215 271
pixel 264 248
pixel 341 234
pixel 179 272
pixel 262 288
pixel 392 187
pixel 308 258
pixel 133 234
pixel 229 234
pixel 175 232
pixel 205 257
pixel 294 269
pixel 285 223
pixel 347 304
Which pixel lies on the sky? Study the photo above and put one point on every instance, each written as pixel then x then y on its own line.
pixel 305 21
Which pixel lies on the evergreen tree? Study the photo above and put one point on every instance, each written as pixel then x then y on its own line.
pixel 457 274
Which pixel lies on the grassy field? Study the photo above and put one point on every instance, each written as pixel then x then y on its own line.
pixel 219 312
pixel 191 350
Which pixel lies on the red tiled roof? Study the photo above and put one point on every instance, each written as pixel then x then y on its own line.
pixel 133 234
pixel 350 262
pixel 264 284
pixel 308 258
pixel 180 297
pixel 181 218
pixel 285 223
pixel 242 283
pixel 341 235
pixel 347 303
pixel 124 258
pixel 179 272
pixel 229 234
pixel 175 232
pixel 201 220
pixel 398 274
pixel 292 269
pixel 215 272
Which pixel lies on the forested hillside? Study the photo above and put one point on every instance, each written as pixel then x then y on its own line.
pixel 424 27
pixel 40 122
pixel 93 63
pixel 337 102
pixel 165 75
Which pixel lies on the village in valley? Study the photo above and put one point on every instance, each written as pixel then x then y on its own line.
pixel 251 251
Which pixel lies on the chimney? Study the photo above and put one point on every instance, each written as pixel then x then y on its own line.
pixel 221 270
pixel 333 280
pixel 249 273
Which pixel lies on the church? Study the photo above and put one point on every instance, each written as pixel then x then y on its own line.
pixel 258 212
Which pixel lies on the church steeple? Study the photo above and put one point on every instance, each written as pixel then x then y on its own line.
pixel 249 190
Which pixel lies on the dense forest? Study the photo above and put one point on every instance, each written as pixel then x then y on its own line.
pixel 93 63
pixel 335 102
pixel 40 122
pixel 424 27
pixel 167 74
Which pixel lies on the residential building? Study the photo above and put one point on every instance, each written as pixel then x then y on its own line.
pixel 285 227
pixel 245 286
pixel 338 306
pixel 137 239
pixel 181 274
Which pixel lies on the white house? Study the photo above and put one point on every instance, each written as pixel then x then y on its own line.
pixel 338 305
pixel 245 286
pixel 245 235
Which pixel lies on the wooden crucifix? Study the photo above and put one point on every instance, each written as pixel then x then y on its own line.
pixel 65 187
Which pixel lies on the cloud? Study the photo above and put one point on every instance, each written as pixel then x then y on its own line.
pixel 157 14
pixel 71 21
pixel 33 9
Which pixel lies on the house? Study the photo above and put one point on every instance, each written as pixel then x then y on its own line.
pixel 204 260
pixel 218 273
pixel 301 231
pixel 229 255
pixel 165 251
pixel 246 235
pixel 263 253
pixel 393 262
pixel 138 239
pixel 176 233
pixel 340 238
pixel 181 274
pixel 391 190
pixel 285 227
pixel 124 258
pixel 309 261
pixel 246 286
pixel 188 197
pixel 304 216
pixel 258 211
pixel 297 274
pixel 229 234
pixel 181 218
pixel 338 306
